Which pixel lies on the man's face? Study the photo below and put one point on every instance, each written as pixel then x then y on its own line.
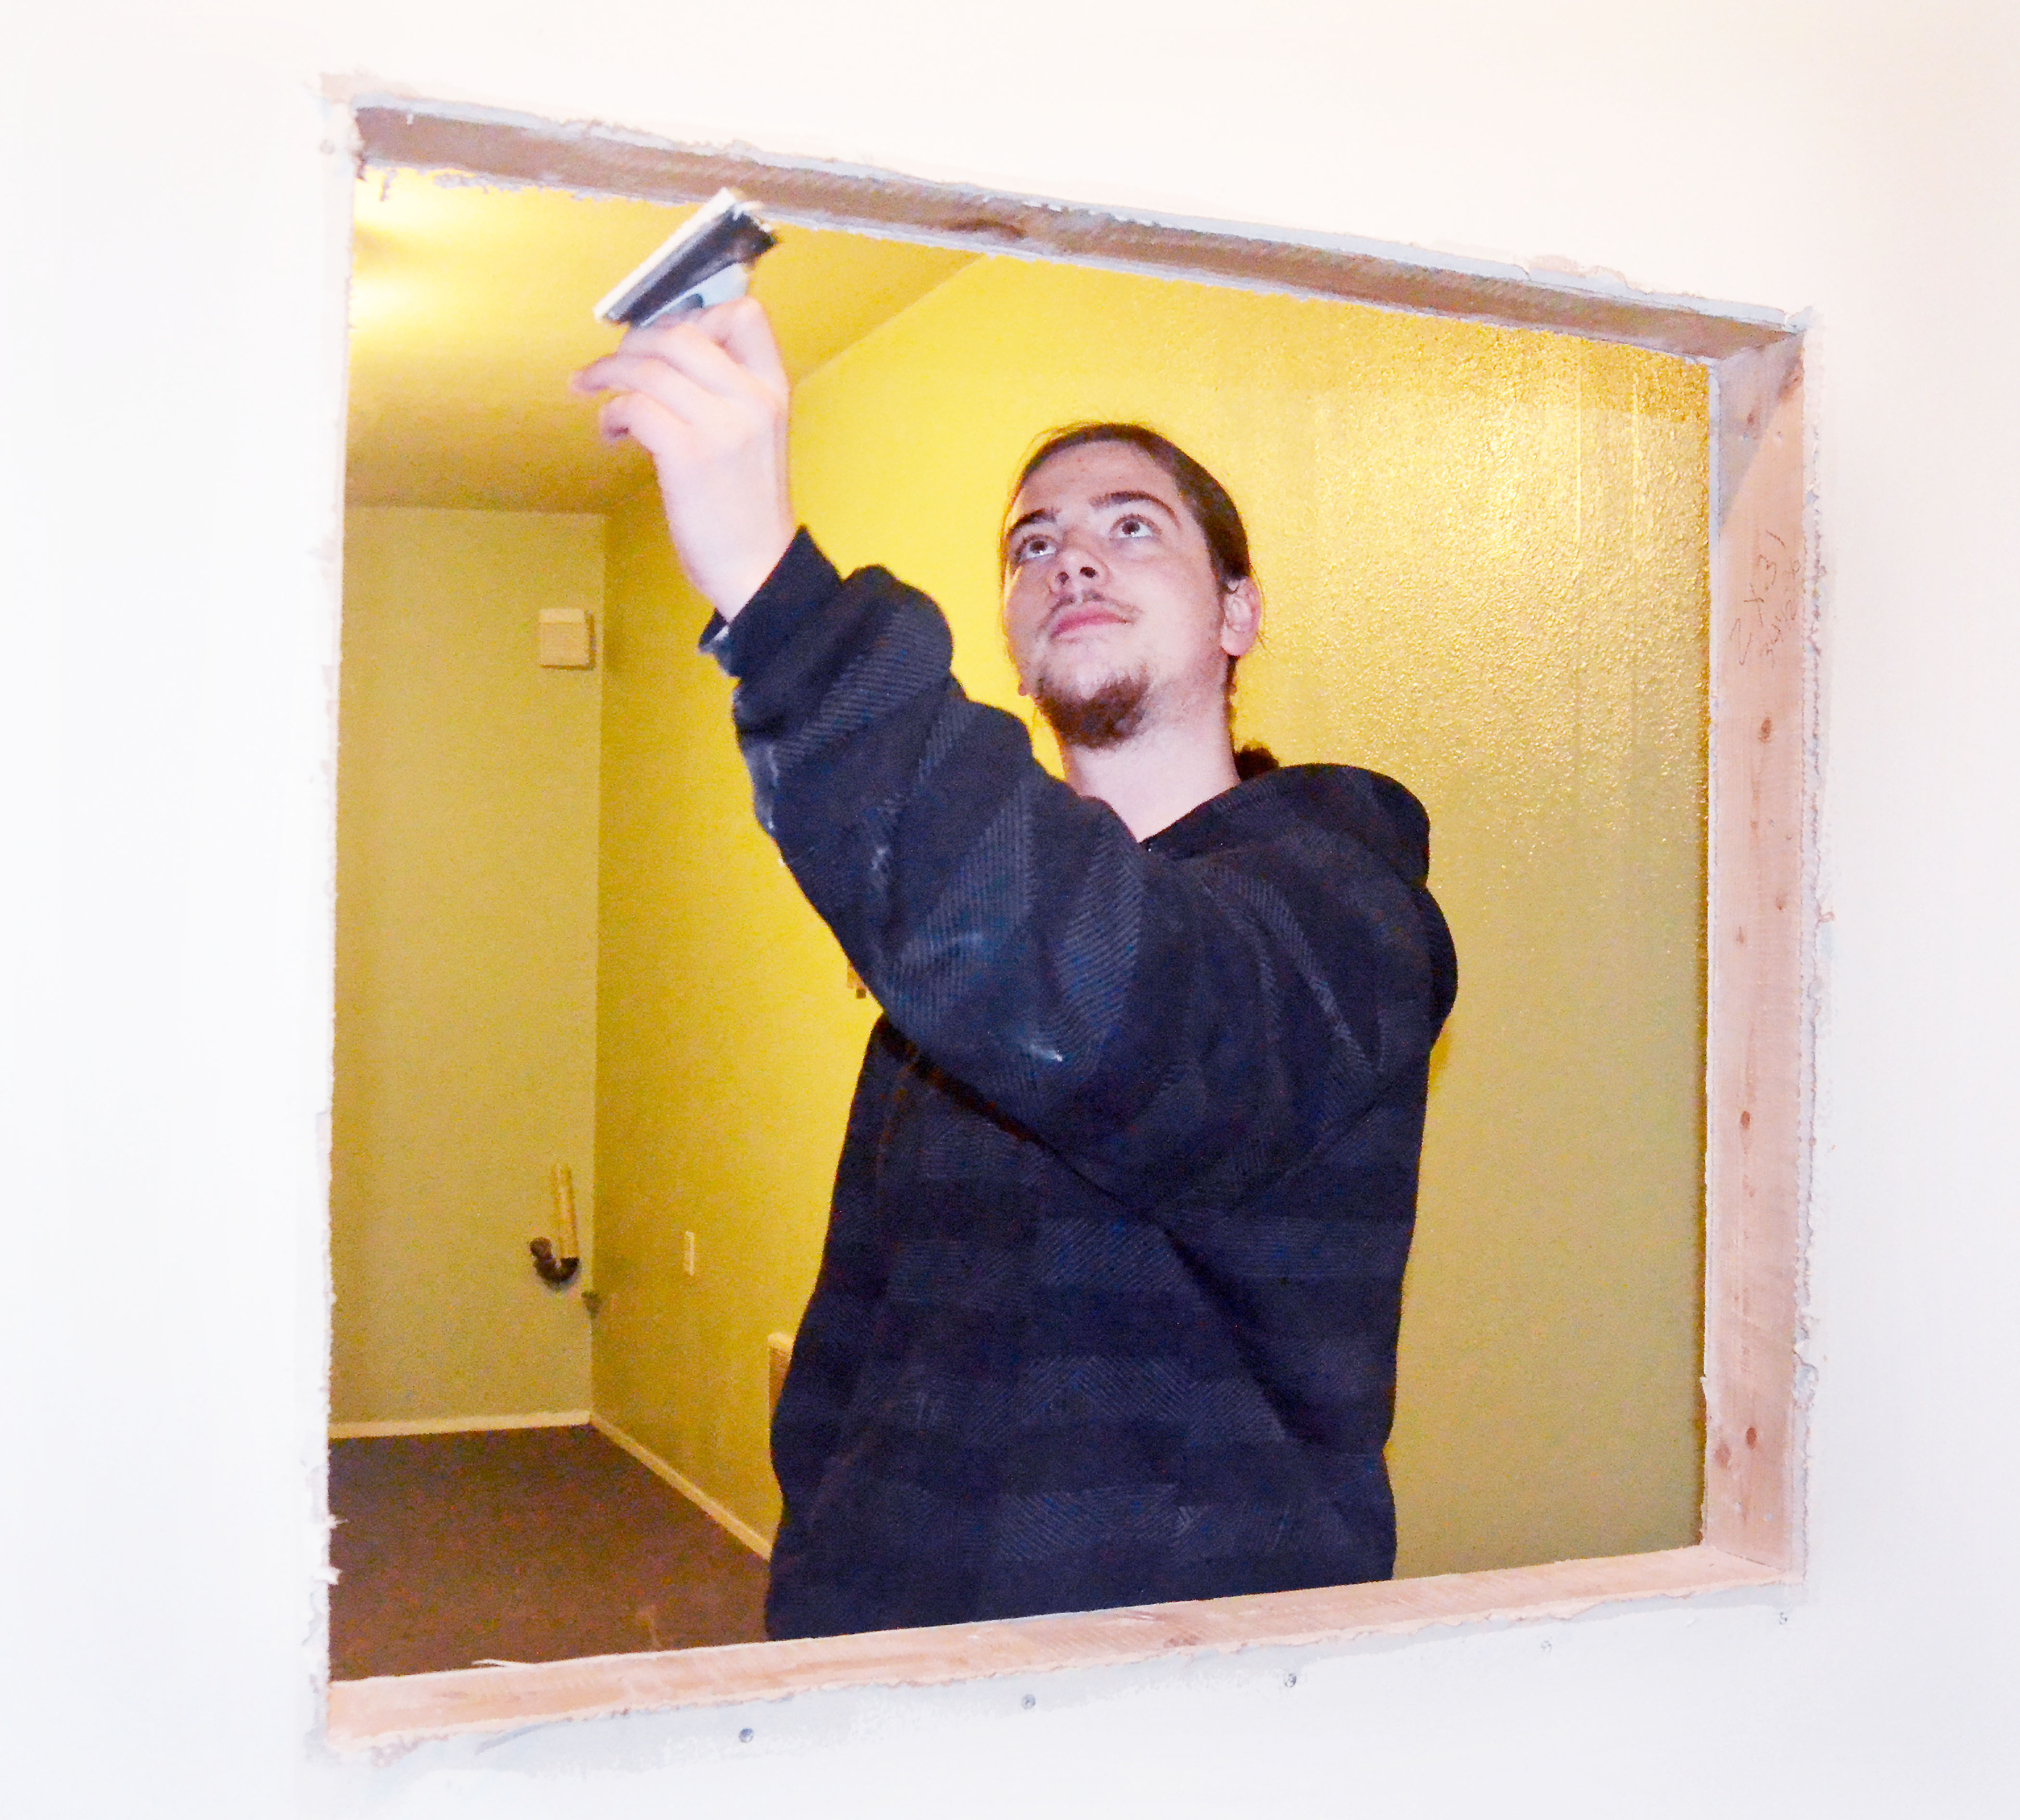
pixel 1115 619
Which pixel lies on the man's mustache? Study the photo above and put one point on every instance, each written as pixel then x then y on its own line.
pixel 1074 603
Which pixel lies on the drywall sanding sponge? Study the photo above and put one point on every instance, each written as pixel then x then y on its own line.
pixel 707 260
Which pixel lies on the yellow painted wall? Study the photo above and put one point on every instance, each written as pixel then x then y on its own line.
pixel 728 1046
pixel 465 974
pixel 1484 554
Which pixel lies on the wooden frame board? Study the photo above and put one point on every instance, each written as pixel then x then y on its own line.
pixel 1760 920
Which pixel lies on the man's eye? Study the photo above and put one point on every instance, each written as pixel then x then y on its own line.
pixel 1132 526
pixel 1030 549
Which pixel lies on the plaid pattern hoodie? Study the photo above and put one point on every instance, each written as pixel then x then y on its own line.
pixel 1107 1310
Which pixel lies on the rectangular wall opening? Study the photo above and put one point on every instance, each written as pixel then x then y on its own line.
pixel 1536 551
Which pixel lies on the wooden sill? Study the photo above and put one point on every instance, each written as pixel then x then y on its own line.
pixel 395 1711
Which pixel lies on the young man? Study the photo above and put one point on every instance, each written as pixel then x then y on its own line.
pixel 1107 1312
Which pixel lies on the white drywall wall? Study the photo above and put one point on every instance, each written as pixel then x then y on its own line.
pixel 171 342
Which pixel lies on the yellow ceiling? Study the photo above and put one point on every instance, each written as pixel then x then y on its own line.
pixel 470 306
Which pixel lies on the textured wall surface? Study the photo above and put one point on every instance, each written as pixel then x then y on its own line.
pixel 727 1045
pixel 466 964
pixel 1484 558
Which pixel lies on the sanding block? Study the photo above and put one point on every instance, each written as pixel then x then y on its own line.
pixel 706 260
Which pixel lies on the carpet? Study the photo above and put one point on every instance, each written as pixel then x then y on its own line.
pixel 523 1545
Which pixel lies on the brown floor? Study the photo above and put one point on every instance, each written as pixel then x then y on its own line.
pixel 528 1544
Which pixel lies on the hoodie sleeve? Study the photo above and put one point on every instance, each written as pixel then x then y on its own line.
pixel 1176 1030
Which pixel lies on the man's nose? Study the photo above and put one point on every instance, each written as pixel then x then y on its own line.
pixel 1077 562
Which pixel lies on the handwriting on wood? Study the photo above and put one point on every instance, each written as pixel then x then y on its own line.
pixel 1768 608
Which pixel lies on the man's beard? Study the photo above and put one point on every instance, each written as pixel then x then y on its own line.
pixel 1107 715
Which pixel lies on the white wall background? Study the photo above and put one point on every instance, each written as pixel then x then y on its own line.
pixel 171 336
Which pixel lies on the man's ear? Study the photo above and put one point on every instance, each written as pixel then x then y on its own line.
pixel 1240 616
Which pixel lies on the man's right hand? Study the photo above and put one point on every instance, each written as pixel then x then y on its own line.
pixel 707 397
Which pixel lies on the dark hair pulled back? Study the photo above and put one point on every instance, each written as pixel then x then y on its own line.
pixel 1212 508
pixel 1205 498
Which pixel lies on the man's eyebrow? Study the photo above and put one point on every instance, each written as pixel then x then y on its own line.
pixel 1133 499
pixel 1044 515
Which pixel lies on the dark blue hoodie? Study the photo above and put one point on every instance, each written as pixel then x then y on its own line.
pixel 1108 1307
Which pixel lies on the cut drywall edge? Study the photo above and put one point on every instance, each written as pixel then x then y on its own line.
pixel 1546 293
pixel 686 1487
pixel 460 1424
pixel 394 1712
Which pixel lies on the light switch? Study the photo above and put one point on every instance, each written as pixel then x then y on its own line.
pixel 568 638
pixel 688 1253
